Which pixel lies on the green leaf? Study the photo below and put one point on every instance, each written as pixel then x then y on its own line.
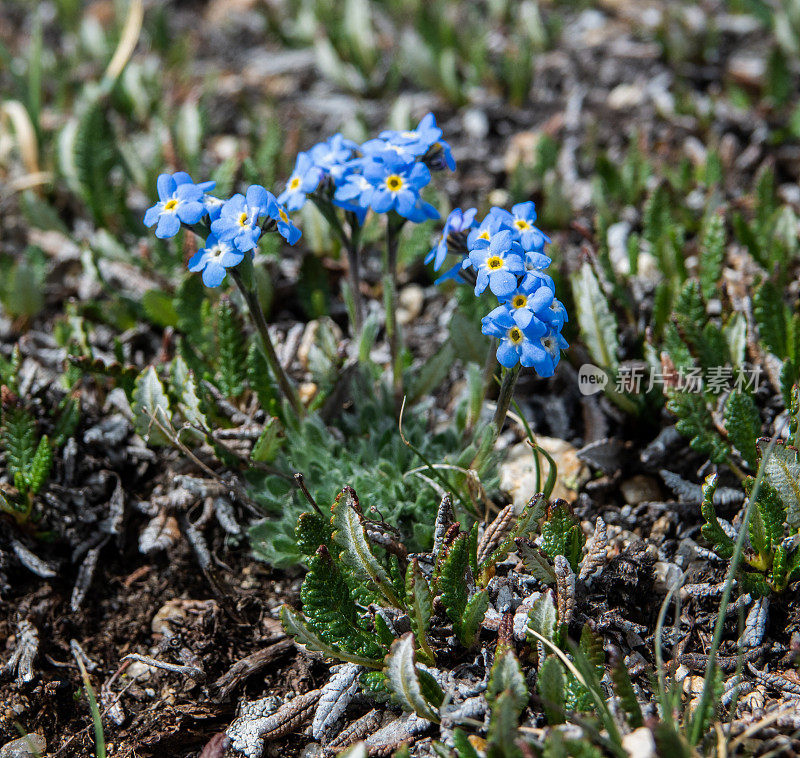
pixel 269 443
pixel 232 355
pixel 160 308
pixel 507 676
pixel 542 618
pixel 295 626
pixel 771 316
pixel 472 617
pixel 536 562
pixel 40 465
pixel 624 691
pixel 331 610
pixel 550 683
pixel 772 509
pixel 712 253
pixel 503 729
pixel 463 746
pixel 782 471
pixel 695 422
pixel 562 534
pixel 712 530
pixel 151 408
pixel 312 531
pixel 401 674
pixel 597 323
pixel 420 604
pixel 18 434
pixel 356 552
pixel 743 423
pixel 185 388
pixel 690 312
pixel 451 583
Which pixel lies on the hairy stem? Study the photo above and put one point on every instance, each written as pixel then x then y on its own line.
pixel 510 376
pixel 285 384
pixel 393 226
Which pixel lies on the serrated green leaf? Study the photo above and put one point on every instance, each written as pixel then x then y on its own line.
pixel 507 676
pixel 268 443
pixel 542 618
pixel 312 531
pixel 536 562
pixel 472 617
pixel 743 424
pixel 356 552
pixel 419 602
pixel 18 435
pixel 451 583
pixel 503 728
pixel 771 315
pixel 625 692
pixel 550 683
pixel 401 674
pixel 40 466
pixel 185 389
pixel 295 626
pixel 721 543
pixel 597 323
pixel 782 471
pixel 151 408
pixel 232 354
pixel 696 423
pixel 712 253
pixel 562 534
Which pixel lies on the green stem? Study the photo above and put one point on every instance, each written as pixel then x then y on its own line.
pixel 394 224
pixel 699 718
pixel 351 243
pixel 285 384
pixel 510 376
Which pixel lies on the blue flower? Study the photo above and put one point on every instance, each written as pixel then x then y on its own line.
pixel 497 265
pixel 180 201
pixel 285 226
pixel 521 220
pixel 425 141
pixel 304 179
pixel 532 347
pixel 214 259
pixel 238 222
pixel 213 206
pixel 354 189
pixel 396 186
pixel 457 224
pixel 530 306
pixel 481 236
pixel 333 155
pixel 555 315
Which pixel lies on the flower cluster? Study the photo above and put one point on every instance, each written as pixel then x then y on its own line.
pixel 234 225
pixel 383 174
pixel 505 254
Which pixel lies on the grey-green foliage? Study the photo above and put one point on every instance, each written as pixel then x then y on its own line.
pixel 362 448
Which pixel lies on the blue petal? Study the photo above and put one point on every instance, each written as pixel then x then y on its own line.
pixel 213 275
pixel 168 226
pixel 507 354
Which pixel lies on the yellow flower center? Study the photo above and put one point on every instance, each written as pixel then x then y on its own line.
pixel 282 214
pixel 171 205
pixel 242 219
pixel 294 184
pixel 394 182
pixel 521 224
pixel 484 235
pixel 495 262
pixel 515 335
pixel 519 301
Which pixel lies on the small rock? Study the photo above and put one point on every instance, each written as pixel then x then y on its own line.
pixel 518 473
pixel 30 746
pixel 625 96
pixel 476 124
pixel 693 685
pixel 640 743
pixel 667 576
pixel 747 69
pixel 410 301
pixel 640 489
pixel 307 391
